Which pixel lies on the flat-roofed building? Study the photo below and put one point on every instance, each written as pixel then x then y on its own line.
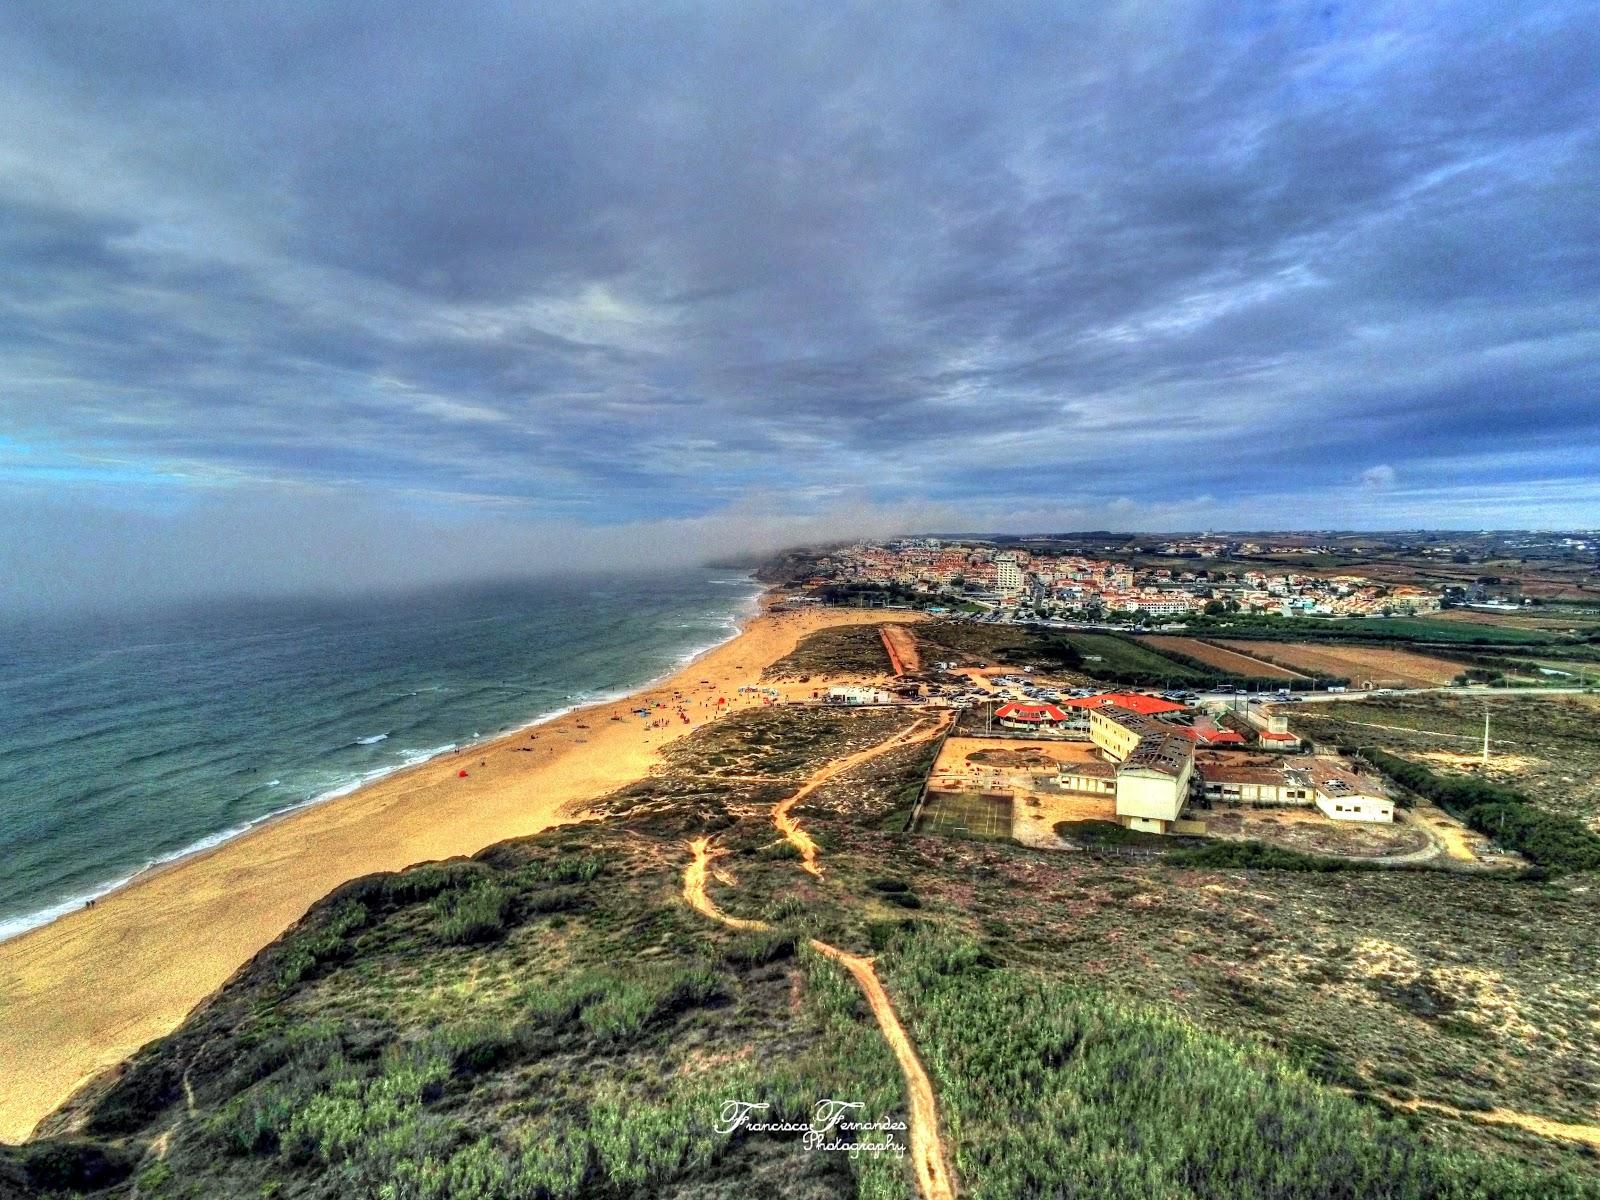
pixel 1096 778
pixel 1155 764
pixel 1233 779
pixel 1007 575
pixel 1346 796
pixel 853 696
pixel 1327 783
pixel 1153 782
pixel 1115 731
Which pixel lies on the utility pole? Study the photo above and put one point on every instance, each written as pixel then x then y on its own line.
pixel 1486 734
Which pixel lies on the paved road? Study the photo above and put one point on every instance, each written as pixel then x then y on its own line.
pixel 1333 697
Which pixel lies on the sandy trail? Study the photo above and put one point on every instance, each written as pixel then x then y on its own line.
pixel 694 887
pixel 790 828
pixel 84 992
pixel 928 1157
pixel 927 1145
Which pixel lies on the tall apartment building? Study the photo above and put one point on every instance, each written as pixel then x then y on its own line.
pixel 1007 575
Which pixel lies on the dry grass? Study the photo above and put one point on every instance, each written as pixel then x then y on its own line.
pixel 1222 658
pixel 1310 832
pixel 1359 664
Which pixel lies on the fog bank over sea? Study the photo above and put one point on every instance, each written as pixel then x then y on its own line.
pixel 133 740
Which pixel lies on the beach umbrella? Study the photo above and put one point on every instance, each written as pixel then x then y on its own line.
pixel 461 774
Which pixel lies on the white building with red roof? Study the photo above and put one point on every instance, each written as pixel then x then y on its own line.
pixel 1017 714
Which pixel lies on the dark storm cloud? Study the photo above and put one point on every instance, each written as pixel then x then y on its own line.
pixel 607 263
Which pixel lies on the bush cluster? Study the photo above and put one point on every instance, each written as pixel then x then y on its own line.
pixel 473 916
pixel 1550 840
pixel 1261 856
pixel 1052 1090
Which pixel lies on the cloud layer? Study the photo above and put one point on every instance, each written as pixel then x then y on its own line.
pixel 549 268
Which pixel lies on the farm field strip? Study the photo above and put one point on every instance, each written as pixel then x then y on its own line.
pixel 1221 657
pixel 1359 664
pixel 1124 654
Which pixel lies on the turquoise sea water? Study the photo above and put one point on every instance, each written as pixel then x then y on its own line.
pixel 132 740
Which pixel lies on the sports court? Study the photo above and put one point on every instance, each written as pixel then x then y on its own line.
pixel 966 814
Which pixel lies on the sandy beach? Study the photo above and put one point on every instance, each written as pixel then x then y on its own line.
pixel 83 993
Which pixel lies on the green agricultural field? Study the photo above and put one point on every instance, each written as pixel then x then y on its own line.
pixel 1125 661
pixel 1388 629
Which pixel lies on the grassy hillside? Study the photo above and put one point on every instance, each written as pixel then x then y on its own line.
pixel 1545 746
pixel 550 1019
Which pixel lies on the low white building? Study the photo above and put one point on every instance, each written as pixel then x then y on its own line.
pixel 1346 796
pixel 1263 782
pixel 855 696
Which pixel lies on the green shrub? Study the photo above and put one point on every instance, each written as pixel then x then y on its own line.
pixel 888 886
pixel 474 1047
pixel 474 915
pixel 1261 856
pixel 70 1165
pixel 323 941
pixel 1058 1091
pixel 254 1123
pixel 554 900
pixel 614 1007
pixel 569 869
pixel 1549 840
pixel 426 882
pixel 148 1086
pixel 764 946
pixel 555 1004
pixel 153 1178
pixel 779 851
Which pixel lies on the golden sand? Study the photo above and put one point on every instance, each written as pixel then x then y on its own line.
pixel 83 993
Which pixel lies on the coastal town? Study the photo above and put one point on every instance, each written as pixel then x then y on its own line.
pixel 1009 581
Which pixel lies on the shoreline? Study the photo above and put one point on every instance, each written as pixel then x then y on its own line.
pixel 82 993
pixel 23 924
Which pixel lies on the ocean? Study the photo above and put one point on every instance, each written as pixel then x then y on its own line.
pixel 132 740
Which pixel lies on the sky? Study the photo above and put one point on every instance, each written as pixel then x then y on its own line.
pixel 319 294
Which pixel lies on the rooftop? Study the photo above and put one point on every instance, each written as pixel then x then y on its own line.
pixel 1017 711
pixel 1132 701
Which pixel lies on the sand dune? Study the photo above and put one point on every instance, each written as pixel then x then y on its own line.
pixel 81 994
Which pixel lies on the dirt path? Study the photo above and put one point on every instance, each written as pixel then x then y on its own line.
pixel 901 645
pixel 1459 843
pixel 928 1156
pixel 790 828
pixel 694 887
pixel 927 1146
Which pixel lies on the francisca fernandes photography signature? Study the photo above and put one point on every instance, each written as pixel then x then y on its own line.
pixel 827 1117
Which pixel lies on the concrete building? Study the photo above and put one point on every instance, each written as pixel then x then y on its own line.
pixel 1153 784
pixel 1346 796
pixel 1270 782
pixel 1007 575
pixel 1253 779
pixel 1096 778
pixel 1155 764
